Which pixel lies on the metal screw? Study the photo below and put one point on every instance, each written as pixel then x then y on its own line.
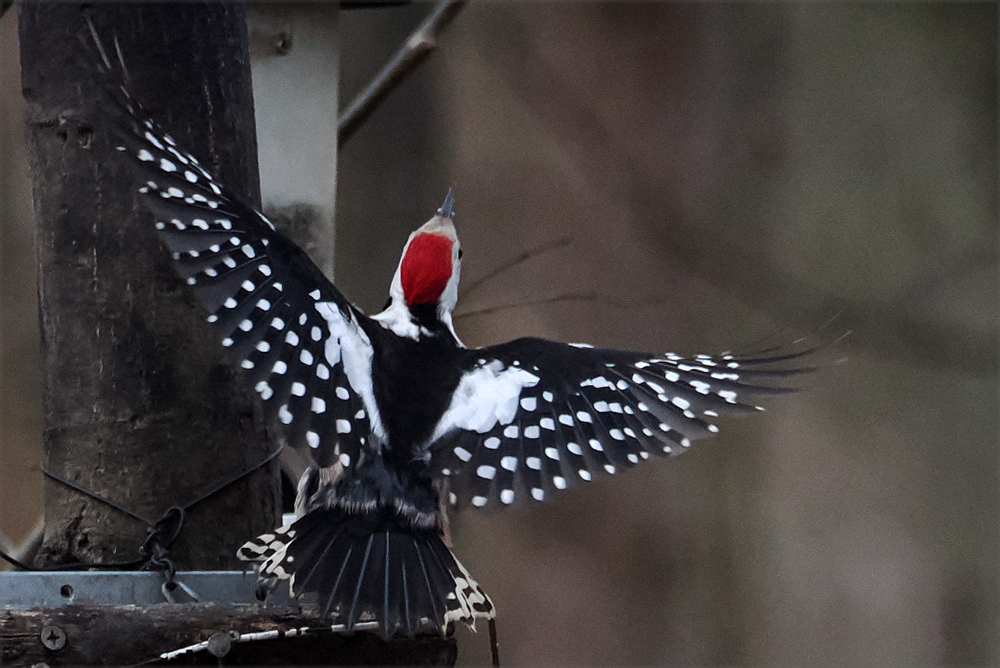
pixel 219 644
pixel 53 638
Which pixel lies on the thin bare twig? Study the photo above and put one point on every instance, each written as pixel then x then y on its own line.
pixel 516 260
pixel 565 297
pixel 413 52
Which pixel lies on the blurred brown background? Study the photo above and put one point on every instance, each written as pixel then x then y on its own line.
pixel 722 171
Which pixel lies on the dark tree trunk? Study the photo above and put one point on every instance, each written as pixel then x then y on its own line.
pixel 141 404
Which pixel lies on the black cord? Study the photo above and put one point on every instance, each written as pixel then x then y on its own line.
pixel 162 533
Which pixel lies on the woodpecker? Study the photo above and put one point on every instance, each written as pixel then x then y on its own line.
pixel 401 419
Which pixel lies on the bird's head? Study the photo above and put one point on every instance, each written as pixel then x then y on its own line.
pixel 426 280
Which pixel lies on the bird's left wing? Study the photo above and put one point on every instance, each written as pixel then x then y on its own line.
pixel 299 341
pixel 531 417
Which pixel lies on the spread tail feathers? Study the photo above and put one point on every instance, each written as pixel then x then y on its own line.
pixel 366 567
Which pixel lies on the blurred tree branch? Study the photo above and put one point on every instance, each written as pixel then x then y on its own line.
pixel 417 47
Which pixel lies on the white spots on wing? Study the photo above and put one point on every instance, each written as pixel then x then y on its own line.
pixel 656 387
pixel 264 389
pixel 211 273
pixel 312 438
pixel 246 364
pixel 700 386
pixel 609 468
pixel 552 453
pixel 318 406
pixel 284 415
pixel 345 458
pixel 713 428
pixel 581 345
pixel 315 294
pixel 537 494
pixel 213 318
pixel 479 501
pixel 529 403
pixel 279 367
pixel 264 305
pixel 585 474
pixel 533 463
pixel 584 416
pixel 532 431
pixel 343 427
pixel 229 262
pixel 248 286
pixel 547 423
pixel 632 457
pixel 151 138
pixel 245 325
pixel 342 393
pixel 463 454
pixel 492 443
pixel 574 448
pixel 548 396
pixel 263 346
pixel 621 385
pixel 190 176
pixel 291 338
pixel 298 389
pixel 145 156
pixel 227 342
pixel 728 395
pixel 566 419
pixel 638 379
pixel 230 303
pixel 191 280
pixel 681 403
pixel 559 482
pixel 511 431
pixel 173 191
pixel 249 251
pixel 486 472
pixel 595 445
pixel 306 357
pixel 278 324
pixel 322 371
pixel 616 434
pixel 167 166
pixel 315 333
pixel 507 496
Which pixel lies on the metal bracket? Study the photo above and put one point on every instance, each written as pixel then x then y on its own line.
pixel 52 589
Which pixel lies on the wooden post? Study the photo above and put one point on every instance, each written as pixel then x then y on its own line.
pixel 141 404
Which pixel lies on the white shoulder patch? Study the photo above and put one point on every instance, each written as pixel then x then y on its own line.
pixel 349 345
pixel 485 397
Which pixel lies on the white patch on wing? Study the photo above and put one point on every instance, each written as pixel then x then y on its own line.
pixel 355 353
pixel 485 397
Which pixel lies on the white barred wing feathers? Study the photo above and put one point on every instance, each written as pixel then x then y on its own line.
pixel 532 417
pixel 285 323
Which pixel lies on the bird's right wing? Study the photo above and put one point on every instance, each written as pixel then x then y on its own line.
pixel 531 417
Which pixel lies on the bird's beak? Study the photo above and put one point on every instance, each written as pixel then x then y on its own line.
pixel 449 203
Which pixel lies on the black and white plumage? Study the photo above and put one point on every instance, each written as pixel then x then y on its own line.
pixel 397 413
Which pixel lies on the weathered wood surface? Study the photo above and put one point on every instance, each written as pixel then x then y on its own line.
pixel 142 405
pixel 130 635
